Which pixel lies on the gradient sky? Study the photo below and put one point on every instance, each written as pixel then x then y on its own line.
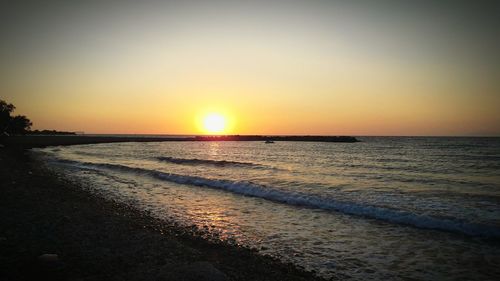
pixel 272 67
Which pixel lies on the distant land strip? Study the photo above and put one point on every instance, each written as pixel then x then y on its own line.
pixel 31 141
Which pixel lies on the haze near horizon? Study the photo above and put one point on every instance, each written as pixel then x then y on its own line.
pixel 257 67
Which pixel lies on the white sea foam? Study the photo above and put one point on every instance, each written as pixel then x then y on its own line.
pixel 310 201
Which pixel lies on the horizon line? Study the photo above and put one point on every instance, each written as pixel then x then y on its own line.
pixel 329 135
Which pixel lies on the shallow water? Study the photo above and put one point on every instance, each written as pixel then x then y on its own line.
pixel 394 208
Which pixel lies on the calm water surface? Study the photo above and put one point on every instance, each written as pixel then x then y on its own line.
pixel 384 208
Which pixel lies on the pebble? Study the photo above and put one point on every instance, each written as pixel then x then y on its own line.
pixel 48 258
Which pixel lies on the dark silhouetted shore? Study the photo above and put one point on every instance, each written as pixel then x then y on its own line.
pixel 30 141
pixel 51 229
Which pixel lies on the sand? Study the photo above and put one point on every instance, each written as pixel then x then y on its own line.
pixel 51 229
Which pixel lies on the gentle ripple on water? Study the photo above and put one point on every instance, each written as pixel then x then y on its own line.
pixel 396 208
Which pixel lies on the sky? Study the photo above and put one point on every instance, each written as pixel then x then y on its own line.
pixel 267 67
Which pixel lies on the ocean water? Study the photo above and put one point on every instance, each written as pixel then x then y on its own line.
pixel 384 208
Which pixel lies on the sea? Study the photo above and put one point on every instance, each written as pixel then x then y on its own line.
pixel 393 208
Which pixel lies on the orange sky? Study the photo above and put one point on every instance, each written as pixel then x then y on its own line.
pixel 294 67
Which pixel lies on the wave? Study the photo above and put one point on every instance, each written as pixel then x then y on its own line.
pixel 85 153
pixel 195 161
pixel 310 201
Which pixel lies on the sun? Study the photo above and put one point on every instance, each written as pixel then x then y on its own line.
pixel 214 123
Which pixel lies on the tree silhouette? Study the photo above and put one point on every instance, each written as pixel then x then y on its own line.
pixel 16 125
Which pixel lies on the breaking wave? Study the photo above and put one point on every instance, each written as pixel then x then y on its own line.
pixel 195 161
pixel 310 201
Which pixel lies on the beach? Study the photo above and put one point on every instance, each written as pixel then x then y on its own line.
pixel 42 213
pixel 250 140
pixel 385 208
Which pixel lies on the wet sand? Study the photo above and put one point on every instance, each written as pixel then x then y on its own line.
pixel 94 239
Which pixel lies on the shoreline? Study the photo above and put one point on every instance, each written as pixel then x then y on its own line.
pixel 31 141
pixel 41 212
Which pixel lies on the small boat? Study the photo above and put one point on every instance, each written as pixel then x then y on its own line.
pixel 269 141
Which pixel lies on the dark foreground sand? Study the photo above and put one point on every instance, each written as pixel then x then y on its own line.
pixel 94 239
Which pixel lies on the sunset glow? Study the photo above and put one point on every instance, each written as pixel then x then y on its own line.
pixel 309 139
pixel 214 123
pixel 287 67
